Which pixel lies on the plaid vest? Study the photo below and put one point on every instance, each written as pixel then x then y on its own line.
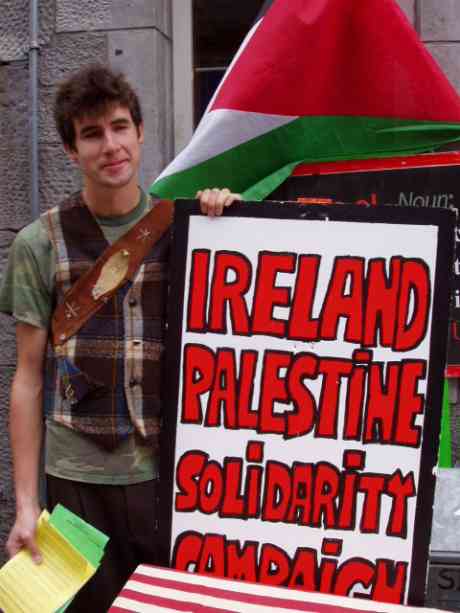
pixel 105 380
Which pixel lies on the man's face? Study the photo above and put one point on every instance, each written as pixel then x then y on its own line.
pixel 108 148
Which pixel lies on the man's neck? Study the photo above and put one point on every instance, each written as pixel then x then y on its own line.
pixel 109 202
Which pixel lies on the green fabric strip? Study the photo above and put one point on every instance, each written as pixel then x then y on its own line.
pixel 258 166
pixel 445 442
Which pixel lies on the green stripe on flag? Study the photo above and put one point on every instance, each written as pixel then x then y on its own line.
pixel 445 441
pixel 258 166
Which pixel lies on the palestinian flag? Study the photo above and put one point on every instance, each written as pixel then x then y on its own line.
pixel 317 80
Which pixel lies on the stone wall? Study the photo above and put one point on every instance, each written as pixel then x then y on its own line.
pixel 438 25
pixel 134 36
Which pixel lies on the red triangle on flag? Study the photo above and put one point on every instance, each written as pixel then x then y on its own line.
pixel 338 58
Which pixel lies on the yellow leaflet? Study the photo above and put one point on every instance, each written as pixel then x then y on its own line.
pixel 31 588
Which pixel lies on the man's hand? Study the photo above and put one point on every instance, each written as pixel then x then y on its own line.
pixel 23 534
pixel 213 201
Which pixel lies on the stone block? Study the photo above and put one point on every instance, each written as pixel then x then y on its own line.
pixel 445 534
pixel 142 14
pixel 47 129
pixel 14 27
pixel 7 502
pixel 58 176
pixel 7 340
pixel 408 7
pixel 84 15
pixel 447 56
pixel 112 15
pixel 130 52
pixel 47 21
pixel 7 328
pixel 14 30
pixel 69 53
pixel 440 21
pixel 14 146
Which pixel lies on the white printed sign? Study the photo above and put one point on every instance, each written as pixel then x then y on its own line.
pixel 305 390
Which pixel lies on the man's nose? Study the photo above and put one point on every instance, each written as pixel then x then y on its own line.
pixel 110 142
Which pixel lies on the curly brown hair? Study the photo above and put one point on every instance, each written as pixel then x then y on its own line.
pixel 91 91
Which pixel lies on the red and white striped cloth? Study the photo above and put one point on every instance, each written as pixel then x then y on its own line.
pixel 158 590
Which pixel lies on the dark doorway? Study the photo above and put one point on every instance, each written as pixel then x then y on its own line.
pixel 219 27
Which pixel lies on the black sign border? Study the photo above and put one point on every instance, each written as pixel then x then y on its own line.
pixel 444 219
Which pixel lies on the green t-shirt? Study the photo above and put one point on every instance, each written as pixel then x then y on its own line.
pixel 26 294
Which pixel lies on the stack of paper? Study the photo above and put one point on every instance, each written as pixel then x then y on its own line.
pixel 71 551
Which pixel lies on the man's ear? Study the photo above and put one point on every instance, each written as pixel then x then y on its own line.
pixel 140 132
pixel 71 154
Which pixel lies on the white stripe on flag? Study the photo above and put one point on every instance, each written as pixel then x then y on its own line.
pixel 217 602
pixel 220 131
pixel 142 607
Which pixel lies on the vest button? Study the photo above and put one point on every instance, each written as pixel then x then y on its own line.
pixel 133 382
pixel 132 302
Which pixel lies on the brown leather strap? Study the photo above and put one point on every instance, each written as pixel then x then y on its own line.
pixel 115 266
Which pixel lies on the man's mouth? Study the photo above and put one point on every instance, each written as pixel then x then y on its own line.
pixel 114 165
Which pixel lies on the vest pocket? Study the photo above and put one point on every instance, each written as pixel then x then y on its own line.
pixel 75 384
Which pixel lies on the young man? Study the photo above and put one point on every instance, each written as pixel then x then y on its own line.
pixel 102 400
